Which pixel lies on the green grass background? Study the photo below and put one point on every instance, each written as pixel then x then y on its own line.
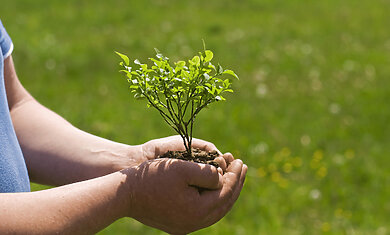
pixel 310 115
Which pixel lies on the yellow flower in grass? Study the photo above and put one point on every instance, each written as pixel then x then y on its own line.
pixel 275 177
pixel 282 154
pixel 285 152
pixel 261 172
pixel 296 161
pixel 272 167
pixel 317 157
pixel 325 227
pixel 283 183
pixel 287 167
pixel 322 172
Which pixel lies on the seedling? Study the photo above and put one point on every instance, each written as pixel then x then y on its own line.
pixel 180 91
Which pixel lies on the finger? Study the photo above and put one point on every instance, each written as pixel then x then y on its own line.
pixel 221 163
pixel 200 175
pixel 221 211
pixel 231 179
pixel 228 158
pixel 235 166
pixel 238 189
pixel 204 145
pixel 230 182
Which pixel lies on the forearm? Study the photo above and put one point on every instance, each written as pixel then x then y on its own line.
pixel 57 153
pixel 80 208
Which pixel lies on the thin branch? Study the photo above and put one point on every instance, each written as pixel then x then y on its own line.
pixel 200 108
pixel 192 123
pixel 171 109
pixel 161 111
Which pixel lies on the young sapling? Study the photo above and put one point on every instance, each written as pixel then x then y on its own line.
pixel 178 91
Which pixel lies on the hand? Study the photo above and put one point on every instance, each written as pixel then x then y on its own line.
pixel 154 148
pixel 180 197
pixel 136 155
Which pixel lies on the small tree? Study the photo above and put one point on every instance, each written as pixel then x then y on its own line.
pixel 178 92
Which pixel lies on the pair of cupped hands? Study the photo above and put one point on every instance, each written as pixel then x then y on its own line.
pixel 177 196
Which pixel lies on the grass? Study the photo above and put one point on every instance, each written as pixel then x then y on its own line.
pixel 309 116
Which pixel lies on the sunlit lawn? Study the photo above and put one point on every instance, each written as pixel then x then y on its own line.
pixel 310 115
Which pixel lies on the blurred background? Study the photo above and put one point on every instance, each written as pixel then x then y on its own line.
pixel 310 115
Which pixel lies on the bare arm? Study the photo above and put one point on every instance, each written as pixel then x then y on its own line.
pixel 81 208
pixel 56 152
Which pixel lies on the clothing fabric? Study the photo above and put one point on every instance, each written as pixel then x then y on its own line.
pixel 13 171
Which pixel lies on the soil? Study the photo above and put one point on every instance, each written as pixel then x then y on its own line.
pixel 198 156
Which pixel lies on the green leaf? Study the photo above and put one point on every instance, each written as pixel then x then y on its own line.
pixel 219 98
pixel 220 69
pixel 196 60
pixel 158 63
pixel 180 63
pixel 230 72
pixel 144 67
pixel 124 58
pixel 213 90
pixel 125 71
pixel 211 66
pixel 209 56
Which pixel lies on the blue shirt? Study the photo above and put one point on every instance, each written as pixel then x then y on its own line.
pixel 13 171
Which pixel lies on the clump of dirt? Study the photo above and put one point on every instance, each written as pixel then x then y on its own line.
pixel 198 156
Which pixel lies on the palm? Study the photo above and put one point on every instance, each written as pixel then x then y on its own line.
pixel 157 147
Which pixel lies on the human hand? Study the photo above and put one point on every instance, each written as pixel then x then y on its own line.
pixel 154 148
pixel 180 197
pixel 137 154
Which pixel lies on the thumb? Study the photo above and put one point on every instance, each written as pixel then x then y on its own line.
pixel 201 175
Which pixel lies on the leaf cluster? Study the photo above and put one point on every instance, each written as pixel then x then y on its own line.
pixel 179 91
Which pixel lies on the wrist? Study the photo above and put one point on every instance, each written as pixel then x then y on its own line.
pixel 124 156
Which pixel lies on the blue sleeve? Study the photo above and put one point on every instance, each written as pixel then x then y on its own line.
pixel 6 45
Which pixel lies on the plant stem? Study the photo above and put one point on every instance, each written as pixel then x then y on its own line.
pixel 192 124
